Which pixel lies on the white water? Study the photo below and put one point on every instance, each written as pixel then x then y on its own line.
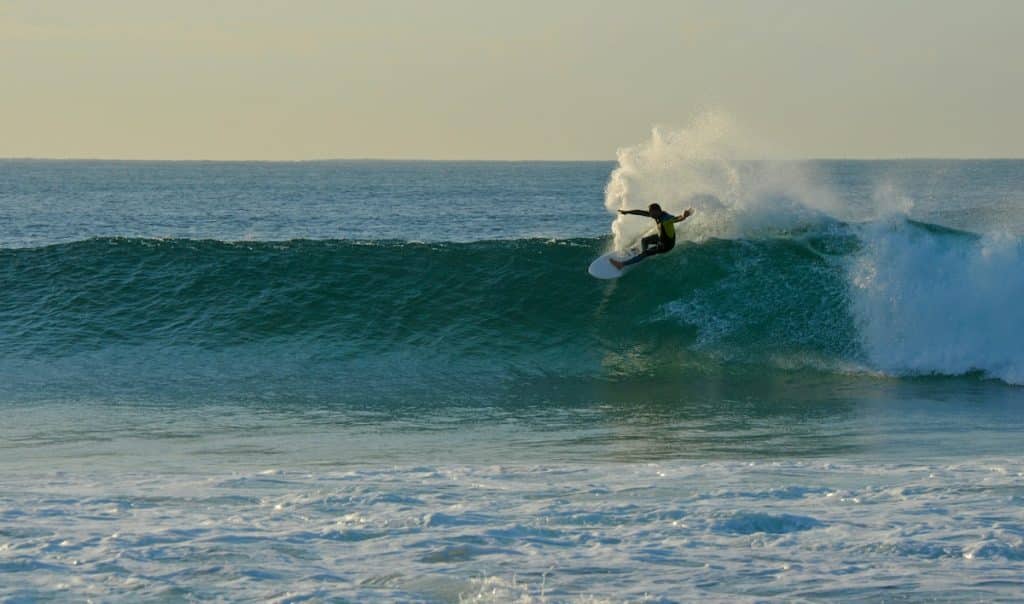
pixel 603 532
pixel 937 303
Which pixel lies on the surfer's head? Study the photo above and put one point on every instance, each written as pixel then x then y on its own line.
pixel 654 210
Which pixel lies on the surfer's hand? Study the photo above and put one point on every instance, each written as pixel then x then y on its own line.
pixel 622 211
pixel 688 213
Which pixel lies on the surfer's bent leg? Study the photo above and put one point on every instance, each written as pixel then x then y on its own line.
pixel 648 242
pixel 660 247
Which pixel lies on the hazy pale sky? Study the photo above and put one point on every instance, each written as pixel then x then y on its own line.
pixel 524 79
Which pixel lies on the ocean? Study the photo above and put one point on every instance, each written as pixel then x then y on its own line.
pixel 395 381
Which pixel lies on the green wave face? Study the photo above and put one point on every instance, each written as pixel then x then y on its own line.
pixel 528 303
pixel 890 298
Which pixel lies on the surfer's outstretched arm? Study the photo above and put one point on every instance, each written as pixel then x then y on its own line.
pixel 685 215
pixel 636 212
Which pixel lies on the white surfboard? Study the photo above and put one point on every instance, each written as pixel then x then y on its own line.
pixel 602 268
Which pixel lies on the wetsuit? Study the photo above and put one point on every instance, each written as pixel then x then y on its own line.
pixel 659 243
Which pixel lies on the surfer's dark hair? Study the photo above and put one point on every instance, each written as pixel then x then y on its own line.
pixel 653 207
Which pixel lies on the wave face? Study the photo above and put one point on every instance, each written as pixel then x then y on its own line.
pixel 895 297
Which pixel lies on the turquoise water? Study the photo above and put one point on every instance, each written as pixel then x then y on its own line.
pixel 395 380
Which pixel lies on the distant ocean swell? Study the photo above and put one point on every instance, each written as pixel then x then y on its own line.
pixel 893 297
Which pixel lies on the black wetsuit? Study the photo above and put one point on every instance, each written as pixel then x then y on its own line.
pixel 658 243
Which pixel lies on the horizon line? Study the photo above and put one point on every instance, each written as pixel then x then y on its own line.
pixel 495 161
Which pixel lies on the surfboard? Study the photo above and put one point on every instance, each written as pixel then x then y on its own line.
pixel 602 268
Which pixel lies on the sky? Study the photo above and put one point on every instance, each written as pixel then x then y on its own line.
pixel 517 80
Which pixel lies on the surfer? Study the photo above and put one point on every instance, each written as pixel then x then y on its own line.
pixel 658 243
